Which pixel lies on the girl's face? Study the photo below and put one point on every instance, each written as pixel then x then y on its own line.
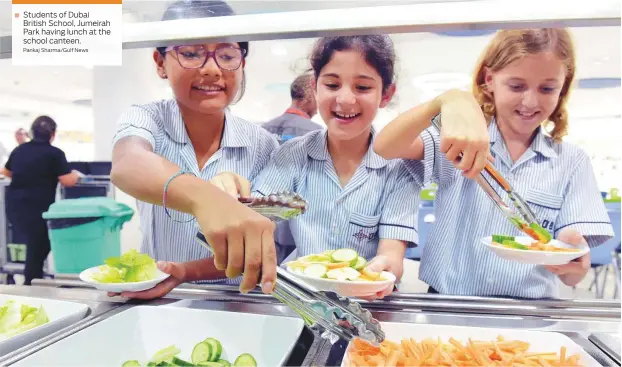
pixel 208 89
pixel 527 91
pixel 348 94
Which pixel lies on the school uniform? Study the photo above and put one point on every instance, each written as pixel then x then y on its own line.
pixel 245 149
pixel 558 182
pixel 379 202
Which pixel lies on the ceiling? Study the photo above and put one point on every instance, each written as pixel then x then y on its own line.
pixel 427 64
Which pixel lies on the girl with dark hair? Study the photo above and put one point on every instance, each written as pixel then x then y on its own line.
pixel 165 153
pixel 35 168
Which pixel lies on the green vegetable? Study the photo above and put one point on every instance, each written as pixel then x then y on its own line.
pixel 345 255
pixel 514 244
pixel 130 267
pixel 16 318
pixel 360 263
pixel 216 349
pixel 165 355
pixel 202 352
pixel 133 363
pixel 316 270
pixel 543 235
pixel 180 362
pixel 224 363
pixel 498 238
pixel 245 360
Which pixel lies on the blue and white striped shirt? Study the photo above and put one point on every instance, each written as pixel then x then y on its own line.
pixel 245 149
pixel 558 182
pixel 379 202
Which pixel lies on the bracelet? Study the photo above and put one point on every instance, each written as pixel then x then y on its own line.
pixel 181 172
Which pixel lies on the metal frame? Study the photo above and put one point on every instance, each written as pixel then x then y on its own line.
pixel 419 17
pixel 432 309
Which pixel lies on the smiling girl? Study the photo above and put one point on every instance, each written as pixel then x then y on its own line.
pixel 357 199
pixel 166 151
pixel 521 87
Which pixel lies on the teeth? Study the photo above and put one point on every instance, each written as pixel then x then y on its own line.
pixel 347 116
pixel 526 114
pixel 209 88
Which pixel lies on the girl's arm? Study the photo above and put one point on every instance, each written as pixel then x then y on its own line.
pixel 241 239
pixel 463 130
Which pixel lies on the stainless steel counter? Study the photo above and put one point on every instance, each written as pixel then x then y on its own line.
pixel 577 319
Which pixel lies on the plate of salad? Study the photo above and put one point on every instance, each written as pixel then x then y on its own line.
pixel 524 249
pixel 342 271
pixel 130 272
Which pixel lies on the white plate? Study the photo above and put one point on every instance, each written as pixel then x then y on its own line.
pixel 60 313
pixel 87 277
pixel 141 331
pixel 535 257
pixel 347 288
pixel 541 341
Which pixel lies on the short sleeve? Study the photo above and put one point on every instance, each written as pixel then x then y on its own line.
pixel 426 171
pixel 61 164
pixel 281 172
pixel 266 148
pixel 583 208
pixel 137 121
pixel 398 220
pixel 9 162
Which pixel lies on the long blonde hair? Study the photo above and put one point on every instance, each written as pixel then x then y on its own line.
pixel 510 45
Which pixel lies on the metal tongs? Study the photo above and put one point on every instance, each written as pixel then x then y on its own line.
pixel 525 220
pixel 332 315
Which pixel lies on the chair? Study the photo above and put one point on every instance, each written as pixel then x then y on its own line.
pixel 605 256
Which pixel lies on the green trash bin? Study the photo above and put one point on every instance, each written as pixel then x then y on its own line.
pixel 84 232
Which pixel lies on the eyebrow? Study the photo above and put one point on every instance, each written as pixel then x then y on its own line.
pixel 333 75
pixel 547 80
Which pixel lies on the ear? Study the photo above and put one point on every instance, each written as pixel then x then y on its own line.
pixel 388 95
pixel 488 78
pixel 159 60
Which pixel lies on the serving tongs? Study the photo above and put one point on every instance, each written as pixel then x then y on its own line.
pixel 525 220
pixel 332 315
pixel 278 206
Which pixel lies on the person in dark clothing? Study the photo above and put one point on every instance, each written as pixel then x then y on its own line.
pixel 296 121
pixel 35 168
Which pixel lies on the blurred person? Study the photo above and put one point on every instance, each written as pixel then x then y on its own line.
pixel 21 136
pixel 296 121
pixel 35 168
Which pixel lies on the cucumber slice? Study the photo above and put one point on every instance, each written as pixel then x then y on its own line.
pixel 337 274
pixel 245 360
pixel 316 270
pixel 165 364
pixel 151 364
pixel 224 363
pixel 360 263
pixel 514 244
pixel 498 238
pixel 201 353
pixel 543 235
pixel 351 274
pixel 346 255
pixel 216 349
pixel 165 354
pixel 180 362
pixel 211 364
pixel 133 363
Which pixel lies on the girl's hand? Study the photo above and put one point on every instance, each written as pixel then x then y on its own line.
pixel 573 272
pixel 382 263
pixel 178 276
pixel 241 239
pixel 233 184
pixel 464 130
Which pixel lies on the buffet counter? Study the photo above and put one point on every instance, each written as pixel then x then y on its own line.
pixel 585 322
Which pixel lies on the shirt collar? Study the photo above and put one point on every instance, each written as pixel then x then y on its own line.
pixel 233 136
pixel 541 144
pixel 297 111
pixel 317 148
